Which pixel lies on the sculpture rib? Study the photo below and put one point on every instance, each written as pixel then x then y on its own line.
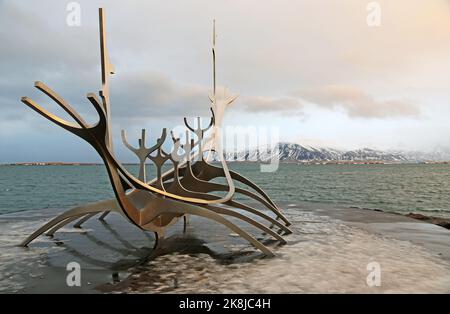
pixel 202 212
pixel 208 172
pixel 84 219
pixel 207 187
pixel 77 211
pixel 63 223
pixel 224 211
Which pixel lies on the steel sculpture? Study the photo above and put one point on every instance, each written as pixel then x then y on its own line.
pixel 184 190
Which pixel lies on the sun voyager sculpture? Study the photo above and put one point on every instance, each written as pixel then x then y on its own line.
pixel 186 189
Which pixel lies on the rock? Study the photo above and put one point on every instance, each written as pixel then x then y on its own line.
pixel 417 216
pixel 442 222
pixel 445 224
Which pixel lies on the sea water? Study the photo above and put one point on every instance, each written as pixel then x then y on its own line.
pixel 403 188
pixel 323 254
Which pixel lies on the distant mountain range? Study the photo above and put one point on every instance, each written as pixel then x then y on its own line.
pixel 288 152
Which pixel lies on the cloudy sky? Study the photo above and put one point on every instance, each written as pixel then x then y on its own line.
pixel 314 69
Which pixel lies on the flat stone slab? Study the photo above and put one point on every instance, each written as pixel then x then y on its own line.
pixel 329 251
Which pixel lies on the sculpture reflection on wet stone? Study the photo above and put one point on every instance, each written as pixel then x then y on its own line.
pixel 186 189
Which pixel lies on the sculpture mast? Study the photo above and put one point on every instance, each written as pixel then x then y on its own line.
pixel 107 69
pixel 218 105
pixel 214 58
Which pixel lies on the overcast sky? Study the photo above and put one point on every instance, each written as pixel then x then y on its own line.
pixel 313 68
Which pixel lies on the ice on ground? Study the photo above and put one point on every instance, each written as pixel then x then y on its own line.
pixel 326 257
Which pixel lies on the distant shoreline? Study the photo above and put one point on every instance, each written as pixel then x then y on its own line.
pixel 310 162
pixel 59 164
pixel 51 164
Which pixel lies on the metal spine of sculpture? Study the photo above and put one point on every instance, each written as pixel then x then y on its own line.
pixel 184 190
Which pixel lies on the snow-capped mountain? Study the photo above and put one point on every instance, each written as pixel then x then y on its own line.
pixel 434 156
pixel 289 152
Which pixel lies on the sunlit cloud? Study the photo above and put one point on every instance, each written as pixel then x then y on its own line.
pixel 357 103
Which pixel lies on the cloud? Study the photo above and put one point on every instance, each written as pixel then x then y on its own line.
pixel 151 95
pixel 67 60
pixel 163 62
pixel 271 104
pixel 357 103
